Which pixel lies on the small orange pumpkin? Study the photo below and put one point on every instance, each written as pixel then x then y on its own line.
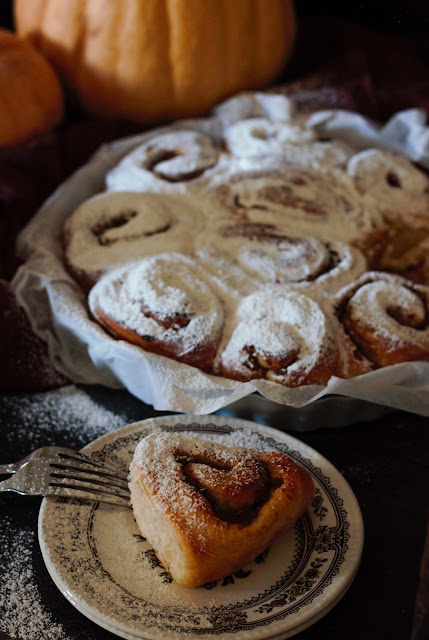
pixel 31 98
pixel 153 60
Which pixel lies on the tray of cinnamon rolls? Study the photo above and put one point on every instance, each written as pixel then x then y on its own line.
pixel 259 252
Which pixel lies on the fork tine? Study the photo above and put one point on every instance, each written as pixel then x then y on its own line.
pixel 70 482
pixel 95 473
pixel 40 477
pixel 74 491
pixel 82 458
pixel 52 452
pixel 79 478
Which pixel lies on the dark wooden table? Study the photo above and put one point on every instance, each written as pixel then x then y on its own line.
pixel 385 461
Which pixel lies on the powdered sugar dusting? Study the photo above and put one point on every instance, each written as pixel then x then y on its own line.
pixel 289 334
pixel 22 612
pixel 66 416
pixel 114 228
pixel 43 418
pixel 164 162
pixel 161 297
pixel 262 136
pixel 393 311
pixel 160 457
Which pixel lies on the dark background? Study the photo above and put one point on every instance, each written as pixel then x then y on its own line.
pixel 385 461
pixel 394 16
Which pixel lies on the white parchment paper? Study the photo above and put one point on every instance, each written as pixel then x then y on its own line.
pixel 82 350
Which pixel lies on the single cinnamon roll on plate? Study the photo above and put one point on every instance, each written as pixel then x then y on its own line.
pixel 208 508
pixel 162 305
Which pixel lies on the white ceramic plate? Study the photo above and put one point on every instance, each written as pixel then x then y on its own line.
pixel 102 565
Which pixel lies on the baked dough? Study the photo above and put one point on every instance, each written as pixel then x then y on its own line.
pixel 162 305
pixel 207 508
pixel 263 230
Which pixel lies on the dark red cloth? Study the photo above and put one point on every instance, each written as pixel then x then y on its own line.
pixel 374 73
pixel 338 63
pixel 24 363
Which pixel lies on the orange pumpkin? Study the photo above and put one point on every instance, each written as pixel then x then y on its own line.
pixel 152 60
pixel 31 98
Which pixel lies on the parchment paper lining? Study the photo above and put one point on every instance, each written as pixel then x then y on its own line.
pixel 83 351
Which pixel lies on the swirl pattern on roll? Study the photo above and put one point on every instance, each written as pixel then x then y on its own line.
pixel 280 335
pixel 387 317
pixel 114 228
pixel 206 508
pixel 299 198
pixel 392 184
pixel 262 136
pixel 229 482
pixel 291 143
pixel 271 257
pixel 166 162
pixel 161 304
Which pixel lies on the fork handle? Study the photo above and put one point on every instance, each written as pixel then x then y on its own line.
pixel 7 485
pixel 8 468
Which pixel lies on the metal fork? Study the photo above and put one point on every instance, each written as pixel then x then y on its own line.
pixel 64 472
pixel 50 453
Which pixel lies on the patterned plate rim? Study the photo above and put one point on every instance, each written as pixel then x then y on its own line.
pixel 303 602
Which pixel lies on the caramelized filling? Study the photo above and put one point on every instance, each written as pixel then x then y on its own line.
pixel 101 229
pixel 393 180
pixel 114 222
pixel 259 361
pixel 235 493
pixel 163 155
pixel 283 195
pixel 173 321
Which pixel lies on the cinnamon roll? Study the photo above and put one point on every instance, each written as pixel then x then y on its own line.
pixel 297 198
pixel 280 335
pixel 262 136
pixel 227 277
pixel 167 162
pixel 290 142
pixel 207 508
pixel 114 228
pixel 162 305
pixel 387 317
pixel 271 257
pixel 393 184
pixel 400 191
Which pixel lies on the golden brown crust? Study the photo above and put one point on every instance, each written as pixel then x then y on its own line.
pixel 197 544
pixel 387 317
pixel 277 216
pixel 201 356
